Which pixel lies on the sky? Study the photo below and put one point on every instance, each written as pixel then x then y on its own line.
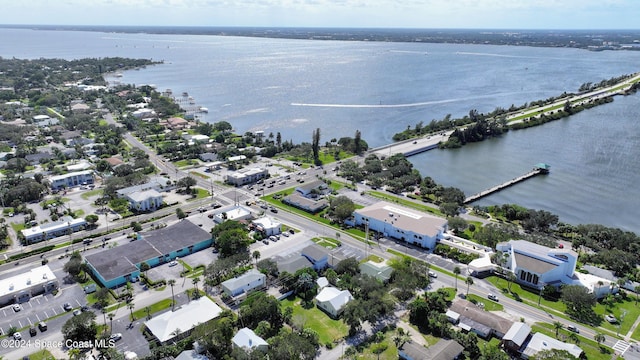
pixel 467 14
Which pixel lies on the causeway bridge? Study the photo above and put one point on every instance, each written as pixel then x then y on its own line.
pixel 538 169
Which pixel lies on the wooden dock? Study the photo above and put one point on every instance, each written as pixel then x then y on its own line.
pixel 537 170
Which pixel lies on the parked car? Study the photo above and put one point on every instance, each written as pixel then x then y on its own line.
pixel 573 328
pixel 291 231
pixel 17 336
pixel 285 234
pixel 610 318
pixel 265 241
pixel 17 307
pixel 33 331
pixel 492 297
pixel 173 263
pixel 77 312
pixel 42 326
pixel 67 307
pixel 433 274
pixel 115 337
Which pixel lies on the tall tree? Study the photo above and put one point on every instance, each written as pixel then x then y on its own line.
pixel 357 146
pixel 456 272
pixel 172 283
pixel 469 282
pixel 315 145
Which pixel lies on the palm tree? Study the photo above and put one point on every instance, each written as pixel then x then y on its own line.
pixel 557 325
pixel 574 337
pixel 600 283
pixel 171 283
pixel 456 272
pixel 111 316
pixel 195 282
pixel 599 338
pixel 131 306
pixel 511 277
pixel 468 281
pixel 104 314
pixel 256 256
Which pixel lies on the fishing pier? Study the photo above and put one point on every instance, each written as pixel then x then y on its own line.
pixel 540 168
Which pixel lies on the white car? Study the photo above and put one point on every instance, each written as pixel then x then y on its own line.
pixel 492 297
pixel 17 307
pixel 17 336
pixel 115 337
pixel 611 319
pixel 173 263
pixel 433 274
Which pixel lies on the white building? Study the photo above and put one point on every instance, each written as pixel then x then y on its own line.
pixel 246 339
pixel 539 342
pixel 22 287
pixel 267 225
pixel 163 327
pixel 402 223
pixel 147 200
pixel 53 229
pixel 536 265
pixel 71 179
pixel 253 279
pixel 235 213
pixel 333 300
pixel 247 176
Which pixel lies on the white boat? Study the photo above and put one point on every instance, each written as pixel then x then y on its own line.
pixel 203 109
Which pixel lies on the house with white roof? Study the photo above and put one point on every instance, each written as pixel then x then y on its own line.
pixel 536 265
pixel 333 300
pixel 246 339
pixel 251 280
pixel 147 200
pixel 411 226
pixel 236 213
pixel 163 327
pixel 50 230
pixel 246 176
pixel 539 342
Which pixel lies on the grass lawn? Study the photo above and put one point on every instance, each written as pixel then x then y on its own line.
pixel 488 304
pixel 201 193
pixel 405 202
pixel 618 307
pixel 79 213
pixel 525 295
pixel 185 163
pixel 327 242
pixel 42 355
pixel 592 350
pixel 86 195
pixel 154 308
pixel 195 173
pixel 390 351
pixel 17 227
pixel 329 330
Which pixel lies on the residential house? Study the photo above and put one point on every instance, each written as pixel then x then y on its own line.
pixel 333 300
pixel 444 349
pixel 411 226
pixel 80 108
pixel 516 336
pixel 313 189
pixel 246 339
pixel 539 342
pixel 292 264
pixel 144 114
pixel 38 158
pixel 172 326
pixel 474 319
pixel 176 123
pixel 249 281
pixel 379 271
pixel 536 265
pixel 208 157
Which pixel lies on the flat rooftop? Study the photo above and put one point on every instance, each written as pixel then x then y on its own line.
pixel 121 260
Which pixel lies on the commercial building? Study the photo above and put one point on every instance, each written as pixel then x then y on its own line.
pixel 71 179
pixel 178 324
pixel 536 265
pixel 51 230
pixel 22 287
pixel 147 200
pixel 267 226
pixel 247 176
pixel 236 213
pixel 402 223
pixel 116 266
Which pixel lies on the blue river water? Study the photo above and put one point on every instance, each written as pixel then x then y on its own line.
pixel 295 86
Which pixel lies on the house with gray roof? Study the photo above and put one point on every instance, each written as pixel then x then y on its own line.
pixel 484 323
pixel 442 350
pixel 380 271
pixel 245 283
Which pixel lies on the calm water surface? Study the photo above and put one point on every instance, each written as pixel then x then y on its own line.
pixel 295 86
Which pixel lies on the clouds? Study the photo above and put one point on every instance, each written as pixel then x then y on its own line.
pixel 531 14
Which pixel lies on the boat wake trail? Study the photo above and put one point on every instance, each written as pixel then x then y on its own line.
pixel 361 106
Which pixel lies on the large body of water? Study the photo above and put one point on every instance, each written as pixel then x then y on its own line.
pixel 295 86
